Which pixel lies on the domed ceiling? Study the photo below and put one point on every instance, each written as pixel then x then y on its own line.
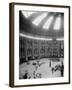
pixel 42 24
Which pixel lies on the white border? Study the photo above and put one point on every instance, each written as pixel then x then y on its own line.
pixel 16 45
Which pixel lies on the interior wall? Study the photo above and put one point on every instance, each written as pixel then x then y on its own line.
pixel 31 49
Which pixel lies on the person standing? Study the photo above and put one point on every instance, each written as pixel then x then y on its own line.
pixel 50 63
pixel 62 69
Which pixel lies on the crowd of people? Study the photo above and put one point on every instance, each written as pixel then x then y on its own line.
pixel 39 75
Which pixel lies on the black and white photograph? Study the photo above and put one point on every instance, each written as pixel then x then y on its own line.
pixel 41 44
pixel 40 51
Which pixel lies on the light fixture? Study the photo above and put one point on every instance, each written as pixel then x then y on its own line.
pixel 59 39
pixel 27 14
pixel 57 24
pixel 48 23
pixel 38 20
pixel 35 38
